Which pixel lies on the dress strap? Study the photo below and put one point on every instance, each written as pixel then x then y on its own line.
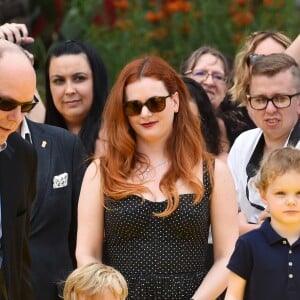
pixel 206 177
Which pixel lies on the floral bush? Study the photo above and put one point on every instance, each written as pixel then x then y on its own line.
pixel 122 30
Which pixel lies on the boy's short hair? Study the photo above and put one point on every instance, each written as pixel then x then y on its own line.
pixel 277 163
pixel 93 279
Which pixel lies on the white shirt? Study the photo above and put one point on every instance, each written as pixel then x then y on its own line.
pixel 25 131
pixel 3 147
pixel 238 159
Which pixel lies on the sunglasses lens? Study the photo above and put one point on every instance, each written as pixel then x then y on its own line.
pixel 7 105
pixel 156 104
pixel 27 107
pixel 132 108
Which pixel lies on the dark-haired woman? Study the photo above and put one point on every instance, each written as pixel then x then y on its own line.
pixel 76 91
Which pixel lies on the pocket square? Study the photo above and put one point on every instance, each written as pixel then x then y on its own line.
pixel 60 180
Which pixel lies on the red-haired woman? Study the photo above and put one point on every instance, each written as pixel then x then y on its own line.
pixel 146 204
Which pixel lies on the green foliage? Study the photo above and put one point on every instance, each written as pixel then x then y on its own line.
pixel 179 28
pixel 77 17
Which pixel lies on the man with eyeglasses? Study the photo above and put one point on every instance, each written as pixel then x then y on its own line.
pixel 17 173
pixel 273 103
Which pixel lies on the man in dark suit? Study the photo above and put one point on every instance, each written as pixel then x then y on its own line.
pixel 17 173
pixel 61 166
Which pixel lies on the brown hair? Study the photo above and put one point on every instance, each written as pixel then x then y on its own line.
pixel 277 163
pixel 185 147
pixel 188 65
pixel 273 64
pixel 241 70
pixel 93 279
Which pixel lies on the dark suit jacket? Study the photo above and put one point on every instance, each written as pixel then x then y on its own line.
pixel 17 189
pixel 54 212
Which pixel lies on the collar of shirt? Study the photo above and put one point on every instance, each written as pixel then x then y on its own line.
pixel 271 235
pixel 3 147
pixel 25 132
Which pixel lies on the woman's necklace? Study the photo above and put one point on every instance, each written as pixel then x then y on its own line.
pixel 147 172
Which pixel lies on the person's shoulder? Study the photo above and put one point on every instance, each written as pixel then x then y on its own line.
pixel 16 142
pixel 221 168
pixel 248 135
pixel 50 130
pixel 220 163
pixel 244 143
pixel 20 150
pixel 93 168
pixel 252 235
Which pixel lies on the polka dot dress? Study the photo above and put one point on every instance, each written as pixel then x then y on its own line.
pixel 161 258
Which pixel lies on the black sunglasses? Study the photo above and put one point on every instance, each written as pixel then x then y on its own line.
pixel 8 105
pixel 154 104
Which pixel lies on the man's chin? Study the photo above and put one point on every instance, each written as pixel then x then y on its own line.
pixel 4 137
pixel 2 141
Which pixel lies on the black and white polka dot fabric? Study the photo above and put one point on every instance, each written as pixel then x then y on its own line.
pixel 161 258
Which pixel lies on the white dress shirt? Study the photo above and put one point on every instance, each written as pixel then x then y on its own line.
pixel 239 157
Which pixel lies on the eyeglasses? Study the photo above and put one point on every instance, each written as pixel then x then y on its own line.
pixel 279 101
pixel 154 104
pixel 203 75
pixel 252 58
pixel 8 105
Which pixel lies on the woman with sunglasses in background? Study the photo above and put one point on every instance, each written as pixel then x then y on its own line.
pixel 146 204
pixel 76 90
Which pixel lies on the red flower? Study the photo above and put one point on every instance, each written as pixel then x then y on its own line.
pixel 240 2
pixel 153 17
pixel 243 18
pixel 268 2
pixel 121 4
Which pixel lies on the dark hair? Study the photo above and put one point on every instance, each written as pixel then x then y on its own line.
pixel 209 125
pixel 90 129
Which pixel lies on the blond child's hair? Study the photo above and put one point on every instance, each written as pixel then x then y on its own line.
pixel 277 163
pixel 94 279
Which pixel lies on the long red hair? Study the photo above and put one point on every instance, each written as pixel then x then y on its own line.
pixel 185 146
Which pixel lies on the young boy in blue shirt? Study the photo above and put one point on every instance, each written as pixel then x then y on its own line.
pixel 266 261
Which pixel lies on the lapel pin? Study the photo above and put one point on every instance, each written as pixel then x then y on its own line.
pixel 44 144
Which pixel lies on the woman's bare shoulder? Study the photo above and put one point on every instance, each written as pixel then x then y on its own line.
pixel 93 168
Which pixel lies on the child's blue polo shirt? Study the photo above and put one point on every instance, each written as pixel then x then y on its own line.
pixel 268 263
